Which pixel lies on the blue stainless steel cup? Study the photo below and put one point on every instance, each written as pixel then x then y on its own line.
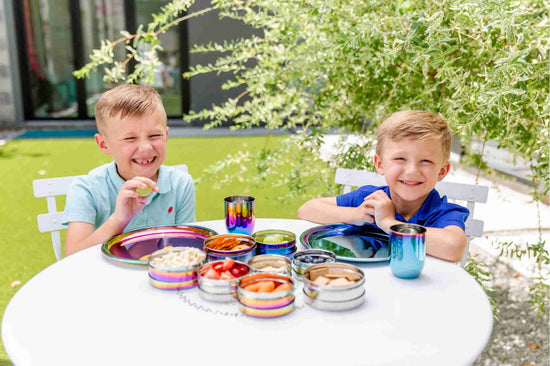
pixel 408 250
pixel 239 214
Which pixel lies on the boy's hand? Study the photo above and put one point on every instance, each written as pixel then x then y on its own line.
pixel 129 202
pixel 382 208
pixel 361 214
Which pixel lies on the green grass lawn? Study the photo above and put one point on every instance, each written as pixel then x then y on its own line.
pixel 26 251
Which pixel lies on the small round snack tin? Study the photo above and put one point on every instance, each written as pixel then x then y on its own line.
pixel 218 280
pixel 271 263
pixel 304 259
pixel 280 242
pixel 266 295
pixel 175 268
pixel 334 286
pixel 238 247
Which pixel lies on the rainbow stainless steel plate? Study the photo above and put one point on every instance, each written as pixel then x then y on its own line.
pixel 350 243
pixel 134 247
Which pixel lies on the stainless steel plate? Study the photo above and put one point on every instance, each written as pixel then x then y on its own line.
pixel 132 247
pixel 351 243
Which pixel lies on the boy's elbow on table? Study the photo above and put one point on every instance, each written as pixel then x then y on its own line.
pixel 448 244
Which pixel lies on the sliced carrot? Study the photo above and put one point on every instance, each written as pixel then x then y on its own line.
pixel 266 286
pixel 254 287
pixel 283 287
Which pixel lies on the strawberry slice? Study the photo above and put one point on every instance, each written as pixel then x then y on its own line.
pixel 228 264
pixel 226 276
pixel 212 274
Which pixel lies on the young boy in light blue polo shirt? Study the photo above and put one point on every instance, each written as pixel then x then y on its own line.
pixel 412 152
pixel 135 190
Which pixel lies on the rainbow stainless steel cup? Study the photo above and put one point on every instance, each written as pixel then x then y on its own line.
pixel 408 250
pixel 239 214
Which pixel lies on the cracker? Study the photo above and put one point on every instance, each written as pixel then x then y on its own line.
pixel 321 281
pixel 314 273
pixel 342 281
pixel 352 276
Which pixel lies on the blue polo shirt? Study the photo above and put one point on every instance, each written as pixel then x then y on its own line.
pixel 92 198
pixel 434 212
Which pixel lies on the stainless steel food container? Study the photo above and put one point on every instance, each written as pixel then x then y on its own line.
pixel 299 267
pixel 259 264
pixel 287 247
pixel 170 277
pixel 327 297
pixel 242 255
pixel 218 290
pixel 266 304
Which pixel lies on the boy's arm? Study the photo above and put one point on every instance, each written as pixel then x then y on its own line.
pixel 324 210
pixel 81 235
pixel 447 243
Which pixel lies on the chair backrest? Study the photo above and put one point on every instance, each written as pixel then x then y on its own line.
pixel 469 193
pixel 52 221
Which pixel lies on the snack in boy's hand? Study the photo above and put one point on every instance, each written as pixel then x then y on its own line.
pixel 144 192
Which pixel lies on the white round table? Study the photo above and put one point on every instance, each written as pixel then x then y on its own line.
pixel 85 310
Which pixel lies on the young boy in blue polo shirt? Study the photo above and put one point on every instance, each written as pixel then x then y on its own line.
pixel 135 190
pixel 412 152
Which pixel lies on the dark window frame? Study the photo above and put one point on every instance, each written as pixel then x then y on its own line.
pixel 79 57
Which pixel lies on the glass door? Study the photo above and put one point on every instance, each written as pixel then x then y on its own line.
pixel 56 37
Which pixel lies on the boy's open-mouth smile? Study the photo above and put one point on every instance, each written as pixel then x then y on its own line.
pixel 410 183
pixel 145 162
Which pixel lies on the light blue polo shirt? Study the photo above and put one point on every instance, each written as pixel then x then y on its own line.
pixel 92 198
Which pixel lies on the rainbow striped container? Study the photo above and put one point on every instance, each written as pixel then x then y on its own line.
pixel 173 278
pixel 286 246
pixel 265 304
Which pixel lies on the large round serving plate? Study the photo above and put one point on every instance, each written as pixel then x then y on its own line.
pixel 132 247
pixel 351 243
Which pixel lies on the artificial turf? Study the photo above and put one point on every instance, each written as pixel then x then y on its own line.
pixel 25 251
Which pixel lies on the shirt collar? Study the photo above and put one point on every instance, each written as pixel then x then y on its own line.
pixel 423 212
pixel 164 182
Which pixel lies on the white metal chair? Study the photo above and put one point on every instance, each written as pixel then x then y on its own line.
pixel 52 221
pixel 456 191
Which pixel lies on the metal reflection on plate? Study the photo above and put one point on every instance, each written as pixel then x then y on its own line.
pixel 133 247
pixel 349 242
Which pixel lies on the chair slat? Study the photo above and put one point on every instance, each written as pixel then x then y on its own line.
pixel 52 186
pixel 358 178
pixel 474 228
pixel 51 222
pixel 463 192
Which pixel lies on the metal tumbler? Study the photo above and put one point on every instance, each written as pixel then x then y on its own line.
pixel 239 214
pixel 408 250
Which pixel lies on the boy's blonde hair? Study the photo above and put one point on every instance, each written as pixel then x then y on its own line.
pixel 129 100
pixel 414 125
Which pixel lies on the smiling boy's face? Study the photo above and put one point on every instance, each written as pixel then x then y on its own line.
pixel 412 168
pixel 137 144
